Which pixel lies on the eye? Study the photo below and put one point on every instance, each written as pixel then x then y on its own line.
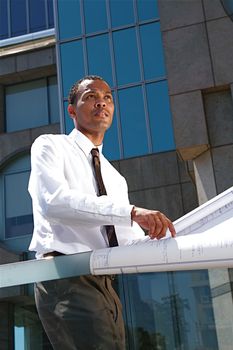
pixel 108 97
pixel 90 96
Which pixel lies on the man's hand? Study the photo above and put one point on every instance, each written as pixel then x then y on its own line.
pixel 154 221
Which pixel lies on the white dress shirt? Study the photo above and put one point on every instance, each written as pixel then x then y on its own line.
pixel 68 214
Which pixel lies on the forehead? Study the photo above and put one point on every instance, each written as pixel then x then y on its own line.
pixel 96 85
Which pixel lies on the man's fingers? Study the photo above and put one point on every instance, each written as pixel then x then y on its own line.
pixel 155 222
pixel 151 226
pixel 172 229
pixel 161 226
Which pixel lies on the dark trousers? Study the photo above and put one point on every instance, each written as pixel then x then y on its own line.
pixel 81 313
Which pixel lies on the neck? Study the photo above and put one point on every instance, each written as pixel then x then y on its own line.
pixel 95 138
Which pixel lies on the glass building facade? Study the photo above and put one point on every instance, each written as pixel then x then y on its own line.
pixel 122 42
pixel 20 17
pixel 113 39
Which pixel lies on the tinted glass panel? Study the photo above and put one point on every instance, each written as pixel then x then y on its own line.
pixel 133 122
pixel 228 6
pixel 50 13
pixel 37 15
pixel 95 15
pixel 69 125
pixel 28 331
pixel 126 56
pixel 41 103
pixel 111 142
pixel 18 17
pixel 69 19
pixel 122 12
pixel 174 311
pixel 53 100
pixel 99 60
pixel 33 95
pixel 3 19
pixel 18 205
pixel 152 53
pixel 147 9
pixel 71 64
pixel 160 117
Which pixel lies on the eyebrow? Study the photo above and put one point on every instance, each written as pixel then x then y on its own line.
pixel 95 90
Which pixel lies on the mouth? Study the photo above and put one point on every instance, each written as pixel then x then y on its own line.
pixel 101 113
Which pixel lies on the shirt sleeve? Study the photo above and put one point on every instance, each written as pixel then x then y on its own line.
pixel 57 202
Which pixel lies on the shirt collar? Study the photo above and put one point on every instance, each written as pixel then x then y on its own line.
pixel 83 142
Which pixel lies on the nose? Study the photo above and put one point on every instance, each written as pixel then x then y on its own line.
pixel 100 104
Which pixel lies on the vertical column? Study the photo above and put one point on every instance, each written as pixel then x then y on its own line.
pixel 2 107
pixel 220 285
pixel 6 326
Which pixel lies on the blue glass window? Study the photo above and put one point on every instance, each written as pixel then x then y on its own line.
pixel 72 64
pixel 3 19
pixel 27 104
pixel 69 19
pixel 53 100
pixel 95 15
pixel 18 17
pixel 37 15
pixel 69 124
pixel 111 147
pixel 147 9
pixel 160 117
pixel 134 133
pixel 152 51
pixel 25 16
pixel 99 60
pixel 18 208
pixel 126 56
pixel 178 311
pixel 50 13
pixel 122 12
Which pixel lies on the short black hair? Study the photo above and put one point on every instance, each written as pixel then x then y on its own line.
pixel 75 87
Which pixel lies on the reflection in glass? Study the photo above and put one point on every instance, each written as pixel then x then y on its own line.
pixel 99 60
pixel 122 12
pixel 18 17
pixel 95 16
pixel 72 65
pixel 162 311
pixel 53 100
pixel 25 16
pixel 160 117
pixel 170 311
pixel 37 15
pixel 28 331
pixel 50 13
pixel 41 99
pixel 228 6
pixel 152 51
pixel 147 9
pixel 111 147
pixel 31 94
pixel 3 19
pixel 126 56
pixel 134 133
pixel 69 124
pixel 69 19
pixel 18 208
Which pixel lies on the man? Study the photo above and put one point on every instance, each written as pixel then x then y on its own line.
pixel 72 215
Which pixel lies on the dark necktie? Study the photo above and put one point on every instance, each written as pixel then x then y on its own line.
pixel 110 230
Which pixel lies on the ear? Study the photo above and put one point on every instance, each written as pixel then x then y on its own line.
pixel 71 111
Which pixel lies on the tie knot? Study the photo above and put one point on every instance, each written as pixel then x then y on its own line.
pixel 95 152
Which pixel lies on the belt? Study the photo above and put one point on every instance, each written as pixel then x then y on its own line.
pixel 54 253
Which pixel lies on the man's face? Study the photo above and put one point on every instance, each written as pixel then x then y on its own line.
pixel 94 108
